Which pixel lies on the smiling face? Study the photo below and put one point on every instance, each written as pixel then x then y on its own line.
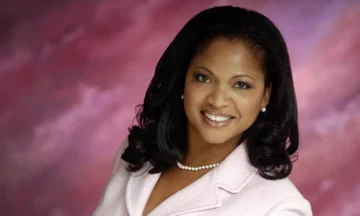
pixel 224 92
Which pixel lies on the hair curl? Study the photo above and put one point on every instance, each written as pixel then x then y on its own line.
pixel 161 135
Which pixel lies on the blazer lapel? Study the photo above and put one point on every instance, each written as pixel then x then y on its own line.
pixel 199 195
pixel 236 171
pixel 231 175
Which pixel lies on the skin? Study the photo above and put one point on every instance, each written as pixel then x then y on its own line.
pixel 223 78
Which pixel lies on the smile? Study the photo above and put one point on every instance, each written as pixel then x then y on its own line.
pixel 216 120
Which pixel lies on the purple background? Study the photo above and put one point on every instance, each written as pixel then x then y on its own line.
pixel 71 73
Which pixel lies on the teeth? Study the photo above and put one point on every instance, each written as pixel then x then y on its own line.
pixel 217 118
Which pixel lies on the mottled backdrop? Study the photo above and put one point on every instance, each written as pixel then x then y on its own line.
pixel 72 71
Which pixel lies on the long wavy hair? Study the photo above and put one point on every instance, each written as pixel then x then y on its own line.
pixel 161 134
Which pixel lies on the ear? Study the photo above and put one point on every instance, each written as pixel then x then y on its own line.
pixel 266 96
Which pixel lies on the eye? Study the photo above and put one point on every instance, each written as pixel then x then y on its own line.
pixel 202 78
pixel 242 85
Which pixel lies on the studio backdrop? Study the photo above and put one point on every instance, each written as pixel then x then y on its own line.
pixel 72 72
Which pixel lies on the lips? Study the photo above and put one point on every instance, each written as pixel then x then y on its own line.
pixel 216 120
pixel 217 114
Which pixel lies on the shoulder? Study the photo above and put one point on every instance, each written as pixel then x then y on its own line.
pixel 118 163
pixel 115 187
pixel 292 206
pixel 277 188
pixel 281 197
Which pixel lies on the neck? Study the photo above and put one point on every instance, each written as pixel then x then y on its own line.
pixel 200 152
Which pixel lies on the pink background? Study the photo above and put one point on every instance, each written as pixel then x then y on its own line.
pixel 71 73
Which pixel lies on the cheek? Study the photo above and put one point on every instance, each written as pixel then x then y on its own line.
pixel 194 95
pixel 248 106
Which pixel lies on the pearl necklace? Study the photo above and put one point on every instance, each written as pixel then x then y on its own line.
pixel 196 168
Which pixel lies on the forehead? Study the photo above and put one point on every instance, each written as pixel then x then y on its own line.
pixel 226 55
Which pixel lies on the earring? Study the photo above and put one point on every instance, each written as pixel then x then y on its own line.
pixel 263 109
pixel 182 96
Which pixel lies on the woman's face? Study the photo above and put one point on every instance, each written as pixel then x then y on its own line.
pixel 224 91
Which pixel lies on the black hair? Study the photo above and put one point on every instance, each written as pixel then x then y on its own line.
pixel 161 134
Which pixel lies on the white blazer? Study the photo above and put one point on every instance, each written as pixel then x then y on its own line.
pixel 234 188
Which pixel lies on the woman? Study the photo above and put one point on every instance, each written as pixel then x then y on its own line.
pixel 217 129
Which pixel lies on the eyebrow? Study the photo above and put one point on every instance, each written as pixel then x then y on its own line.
pixel 233 77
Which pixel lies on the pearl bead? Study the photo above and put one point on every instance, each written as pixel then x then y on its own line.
pixel 196 168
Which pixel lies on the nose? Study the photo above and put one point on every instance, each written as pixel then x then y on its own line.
pixel 218 98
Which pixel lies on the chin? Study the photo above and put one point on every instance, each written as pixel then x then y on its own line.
pixel 215 139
